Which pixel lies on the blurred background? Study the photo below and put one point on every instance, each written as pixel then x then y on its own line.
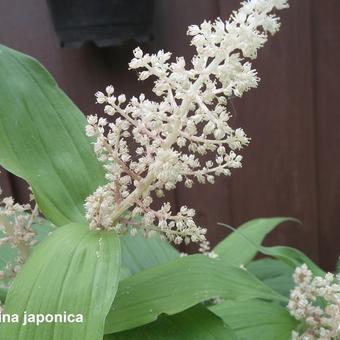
pixel 292 166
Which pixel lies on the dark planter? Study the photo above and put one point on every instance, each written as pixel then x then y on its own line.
pixel 102 22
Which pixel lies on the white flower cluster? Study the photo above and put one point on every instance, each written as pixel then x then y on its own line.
pixel 16 229
pixel 316 302
pixel 190 119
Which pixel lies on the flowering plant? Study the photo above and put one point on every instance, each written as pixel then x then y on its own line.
pixel 190 119
pixel 104 266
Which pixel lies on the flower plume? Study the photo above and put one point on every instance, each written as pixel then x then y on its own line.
pixel 190 119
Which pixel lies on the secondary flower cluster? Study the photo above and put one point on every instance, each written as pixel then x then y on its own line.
pixel 316 302
pixel 16 230
pixel 190 119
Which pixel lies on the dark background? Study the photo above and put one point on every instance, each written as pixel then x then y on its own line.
pixel 292 166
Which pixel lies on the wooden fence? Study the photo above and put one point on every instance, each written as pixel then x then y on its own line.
pixel 291 168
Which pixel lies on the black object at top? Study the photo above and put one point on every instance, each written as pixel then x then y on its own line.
pixel 102 22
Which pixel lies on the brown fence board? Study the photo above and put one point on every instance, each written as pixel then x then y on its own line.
pixel 326 39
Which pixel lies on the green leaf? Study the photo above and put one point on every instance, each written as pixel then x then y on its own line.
pixel 42 228
pixel 3 293
pixel 7 254
pixel 139 253
pixel 240 247
pixel 292 257
pixel 256 319
pixel 42 139
pixel 178 285
pixel 268 268
pixel 74 270
pixel 274 273
pixel 196 323
pixel 282 284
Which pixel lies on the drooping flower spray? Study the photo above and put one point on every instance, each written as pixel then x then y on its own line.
pixel 190 119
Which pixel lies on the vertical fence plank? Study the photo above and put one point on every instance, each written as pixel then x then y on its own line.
pixel 5 183
pixel 326 34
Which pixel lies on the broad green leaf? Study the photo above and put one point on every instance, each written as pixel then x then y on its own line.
pixel 74 270
pixel 3 293
pixel 241 246
pixel 256 319
pixel 42 139
pixel 42 229
pixel 282 284
pixel 7 254
pixel 268 268
pixel 139 253
pixel 293 257
pixel 124 273
pixel 274 273
pixel 196 323
pixel 178 285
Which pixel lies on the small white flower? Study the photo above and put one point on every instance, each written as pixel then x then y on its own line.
pixel 138 53
pixel 121 99
pixel 100 97
pixel 109 90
